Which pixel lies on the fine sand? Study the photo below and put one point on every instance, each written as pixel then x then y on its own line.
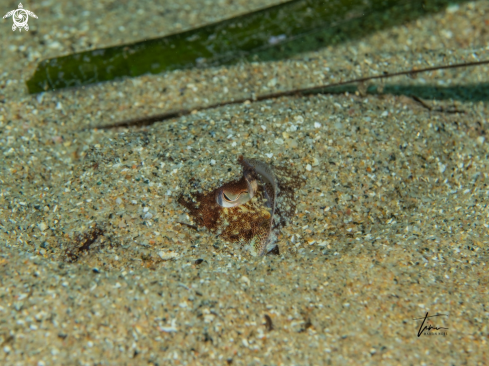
pixel 391 210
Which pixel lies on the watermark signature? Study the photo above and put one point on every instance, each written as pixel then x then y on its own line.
pixel 20 17
pixel 431 329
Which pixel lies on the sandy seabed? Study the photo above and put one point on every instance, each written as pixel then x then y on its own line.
pixel 390 223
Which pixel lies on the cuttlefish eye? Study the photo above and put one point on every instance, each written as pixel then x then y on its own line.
pixel 231 196
pixel 228 199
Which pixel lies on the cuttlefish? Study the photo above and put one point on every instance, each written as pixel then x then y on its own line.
pixel 240 211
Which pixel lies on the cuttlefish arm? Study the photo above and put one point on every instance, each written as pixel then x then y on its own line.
pixel 268 177
pixel 271 190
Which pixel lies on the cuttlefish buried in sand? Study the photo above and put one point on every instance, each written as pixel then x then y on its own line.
pixel 241 211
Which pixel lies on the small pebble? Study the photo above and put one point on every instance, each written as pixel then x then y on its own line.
pixel 246 280
pixel 168 329
pixel 167 255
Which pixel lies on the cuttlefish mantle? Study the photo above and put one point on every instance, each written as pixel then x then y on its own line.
pixel 240 211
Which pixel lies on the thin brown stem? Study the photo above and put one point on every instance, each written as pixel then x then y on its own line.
pixel 149 120
pixel 422 102
pixel 189 225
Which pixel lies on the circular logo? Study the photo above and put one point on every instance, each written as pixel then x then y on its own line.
pixel 20 18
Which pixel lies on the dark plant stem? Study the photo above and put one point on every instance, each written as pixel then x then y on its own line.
pixel 149 120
